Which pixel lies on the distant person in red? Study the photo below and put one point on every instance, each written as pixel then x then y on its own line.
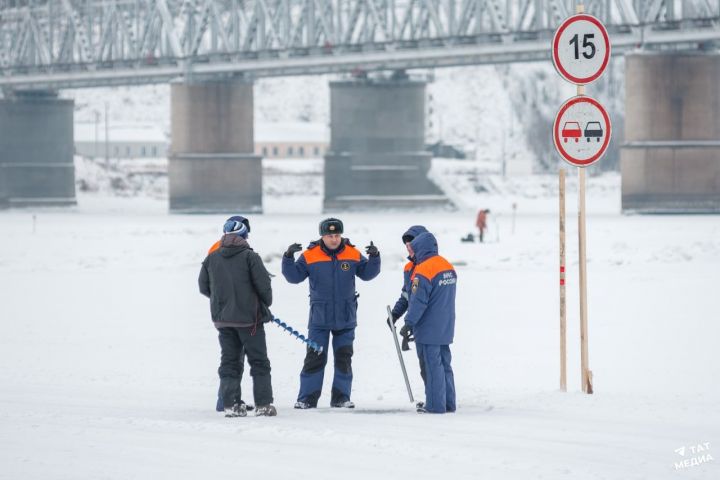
pixel 481 222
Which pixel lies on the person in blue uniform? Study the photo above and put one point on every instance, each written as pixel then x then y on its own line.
pixel 401 305
pixel 331 264
pixel 431 319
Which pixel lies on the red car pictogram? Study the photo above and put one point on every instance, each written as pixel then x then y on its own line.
pixel 571 130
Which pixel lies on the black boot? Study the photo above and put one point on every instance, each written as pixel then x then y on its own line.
pixel 237 410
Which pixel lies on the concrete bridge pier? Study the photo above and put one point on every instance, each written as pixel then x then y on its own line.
pixel 671 160
pixel 212 167
pixel 36 150
pixel 377 137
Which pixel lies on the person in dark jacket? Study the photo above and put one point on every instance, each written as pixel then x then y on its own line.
pixel 401 305
pixel 219 406
pixel 431 318
pixel 331 263
pixel 238 285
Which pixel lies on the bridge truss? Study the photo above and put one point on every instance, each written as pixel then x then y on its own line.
pixel 81 43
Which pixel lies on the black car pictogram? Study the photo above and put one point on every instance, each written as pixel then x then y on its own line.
pixel 593 129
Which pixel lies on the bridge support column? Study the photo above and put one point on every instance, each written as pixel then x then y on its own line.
pixel 36 150
pixel 212 165
pixel 376 155
pixel 671 160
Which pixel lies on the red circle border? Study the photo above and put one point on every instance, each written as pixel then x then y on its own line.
pixel 555 44
pixel 556 132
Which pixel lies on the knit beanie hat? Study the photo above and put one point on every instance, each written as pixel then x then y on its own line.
pixel 237 225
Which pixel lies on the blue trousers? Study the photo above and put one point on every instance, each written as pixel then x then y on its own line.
pixel 439 378
pixel 311 377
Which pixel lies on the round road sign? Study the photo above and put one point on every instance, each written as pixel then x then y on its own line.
pixel 581 49
pixel 581 131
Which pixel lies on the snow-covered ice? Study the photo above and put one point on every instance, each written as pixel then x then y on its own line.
pixel 108 357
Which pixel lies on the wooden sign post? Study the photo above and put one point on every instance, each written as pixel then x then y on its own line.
pixel 581 134
pixel 563 318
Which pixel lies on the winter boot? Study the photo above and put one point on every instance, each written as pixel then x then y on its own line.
pixel 266 411
pixel 300 405
pixel 219 405
pixel 237 410
pixel 342 404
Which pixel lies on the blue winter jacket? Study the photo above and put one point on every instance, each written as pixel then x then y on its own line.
pixel 431 310
pixel 401 305
pixel 333 301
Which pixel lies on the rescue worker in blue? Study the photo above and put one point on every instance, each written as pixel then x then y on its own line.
pixel 401 305
pixel 431 319
pixel 331 264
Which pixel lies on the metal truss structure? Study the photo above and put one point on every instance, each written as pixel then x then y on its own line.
pixel 81 43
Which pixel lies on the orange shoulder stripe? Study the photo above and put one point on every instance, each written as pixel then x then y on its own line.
pixel 432 266
pixel 314 255
pixel 408 266
pixel 214 247
pixel 349 253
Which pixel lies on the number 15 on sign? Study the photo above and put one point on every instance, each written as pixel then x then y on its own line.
pixel 581 49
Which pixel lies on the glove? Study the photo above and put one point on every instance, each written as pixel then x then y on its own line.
pixel 372 250
pixel 394 319
pixel 293 249
pixel 406 333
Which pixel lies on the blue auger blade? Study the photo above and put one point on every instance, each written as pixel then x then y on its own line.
pixel 311 344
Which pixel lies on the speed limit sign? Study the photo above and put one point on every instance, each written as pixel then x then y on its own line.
pixel 581 49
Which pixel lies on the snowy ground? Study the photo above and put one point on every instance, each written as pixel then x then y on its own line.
pixel 108 356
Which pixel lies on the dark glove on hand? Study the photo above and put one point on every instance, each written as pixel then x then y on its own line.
pixel 293 249
pixel 394 319
pixel 266 313
pixel 406 334
pixel 372 250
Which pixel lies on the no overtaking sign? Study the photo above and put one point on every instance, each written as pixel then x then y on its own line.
pixel 581 131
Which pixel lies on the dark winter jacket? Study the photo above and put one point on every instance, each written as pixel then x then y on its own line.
pixel 431 311
pixel 237 283
pixel 401 305
pixel 333 302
